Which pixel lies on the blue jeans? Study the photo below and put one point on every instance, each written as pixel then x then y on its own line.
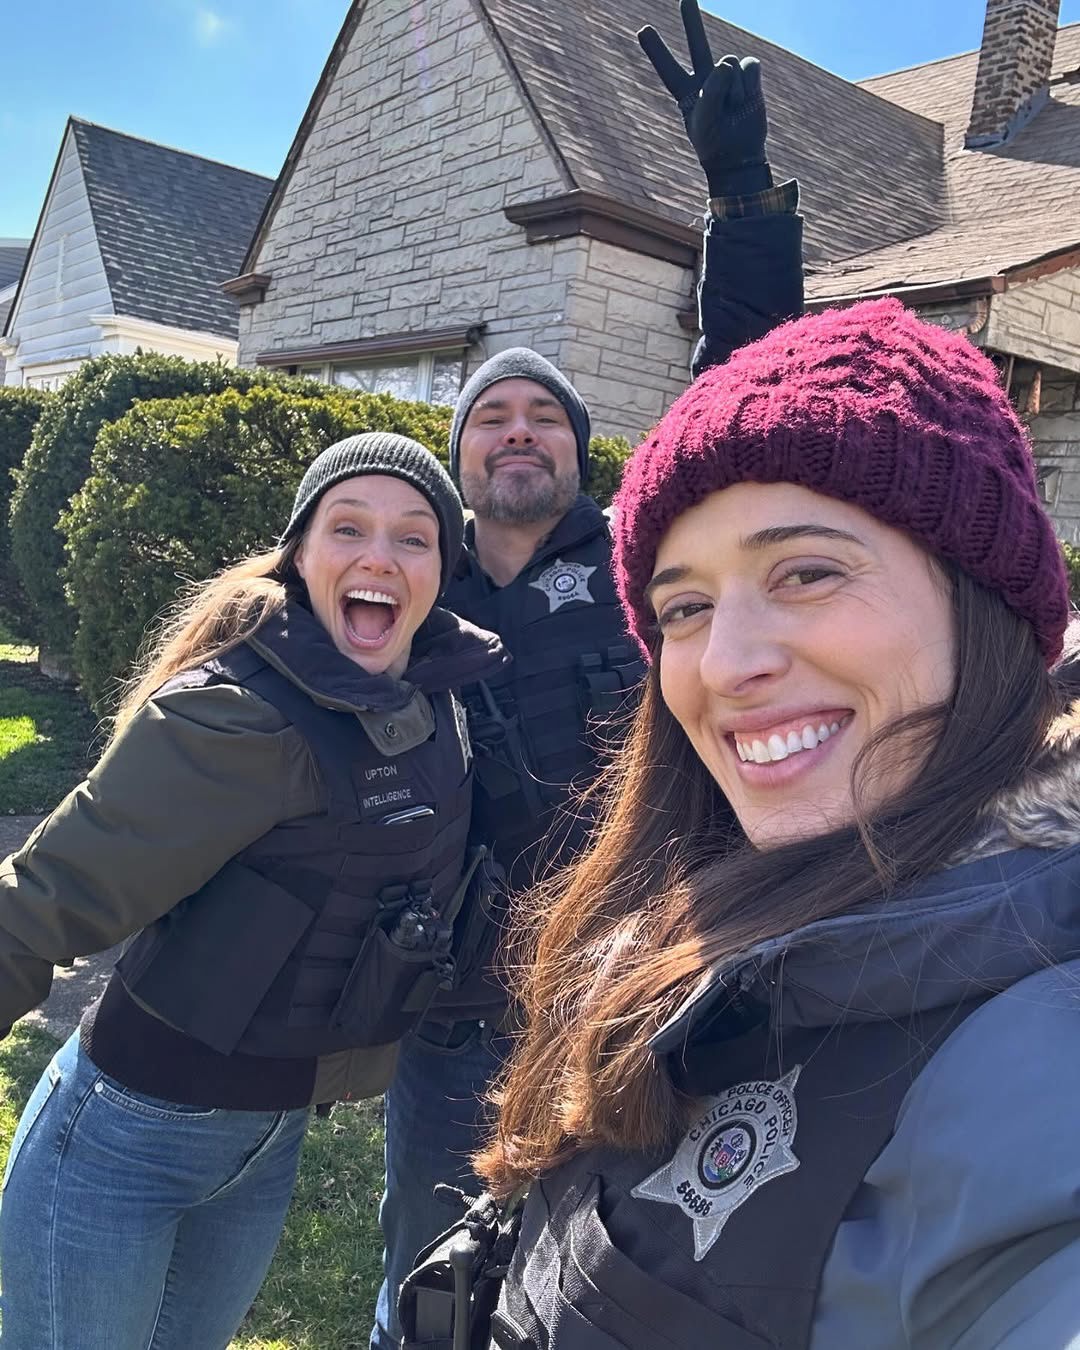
pixel 434 1121
pixel 130 1223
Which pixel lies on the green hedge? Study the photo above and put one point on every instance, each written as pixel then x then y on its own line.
pixel 608 455
pixel 58 461
pixel 19 411
pixel 180 488
pixel 1072 563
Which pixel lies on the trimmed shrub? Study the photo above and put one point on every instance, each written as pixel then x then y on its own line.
pixel 20 409
pixel 58 461
pixel 181 488
pixel 1072 563
pixel 607 454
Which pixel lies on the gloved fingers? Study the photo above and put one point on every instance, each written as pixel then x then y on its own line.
pixel 727 78
pixel 717 95
pixel 675 79
pixel 696 41
pixel 751 79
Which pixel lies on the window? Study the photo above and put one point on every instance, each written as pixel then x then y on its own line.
pixel 432 377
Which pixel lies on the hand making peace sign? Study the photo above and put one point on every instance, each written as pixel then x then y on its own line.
pixel 722 105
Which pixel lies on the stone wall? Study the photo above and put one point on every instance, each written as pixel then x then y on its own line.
pixel 392 222
pixel 1055 432
pixel 1040 320
pixel 393 218
pixel 622 339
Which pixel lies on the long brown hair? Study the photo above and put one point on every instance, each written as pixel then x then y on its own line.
pixel 208 619
pixel 671 888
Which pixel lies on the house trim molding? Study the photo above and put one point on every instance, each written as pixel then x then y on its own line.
pixel 123 326
pixel 249 288
pixel 371 348
pixel 607 218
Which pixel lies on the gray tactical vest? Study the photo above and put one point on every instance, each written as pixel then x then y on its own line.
pixel 720 1240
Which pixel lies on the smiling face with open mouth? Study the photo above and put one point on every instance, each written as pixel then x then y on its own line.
pixel 795 626
pixel 371 563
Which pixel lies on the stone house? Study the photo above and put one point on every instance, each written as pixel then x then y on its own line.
pixel 130 250
pixel 472 174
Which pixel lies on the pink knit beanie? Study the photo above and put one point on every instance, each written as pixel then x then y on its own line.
pixel 873 406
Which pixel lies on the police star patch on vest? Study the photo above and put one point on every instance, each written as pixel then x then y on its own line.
pixel 563 582
pixel 739 1142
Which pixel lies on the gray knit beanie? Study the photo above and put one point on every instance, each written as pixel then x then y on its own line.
pixel 399 457
pixel 519 363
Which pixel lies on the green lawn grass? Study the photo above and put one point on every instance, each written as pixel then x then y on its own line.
pixel 47 733
pixel 320 1292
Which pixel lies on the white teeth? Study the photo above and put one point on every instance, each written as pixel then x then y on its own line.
pixel 777 748
pixel 373 597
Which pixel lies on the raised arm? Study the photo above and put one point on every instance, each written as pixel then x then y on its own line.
pixel 751 275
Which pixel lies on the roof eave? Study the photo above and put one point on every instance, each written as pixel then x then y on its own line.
pixel 929 293
pixel 37 230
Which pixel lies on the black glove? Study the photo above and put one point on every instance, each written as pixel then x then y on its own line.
pixel 722 106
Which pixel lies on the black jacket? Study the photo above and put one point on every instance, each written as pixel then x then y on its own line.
pixel 537 724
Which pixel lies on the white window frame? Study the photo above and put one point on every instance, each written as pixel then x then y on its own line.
pixel 425 374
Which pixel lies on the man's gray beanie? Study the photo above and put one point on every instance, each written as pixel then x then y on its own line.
pixel 398 457
pixel 519 363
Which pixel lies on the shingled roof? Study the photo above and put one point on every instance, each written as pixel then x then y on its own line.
pixel 871 170
pixel 892 199
pixel 12 256
pixel 1009 207
pixel 171 227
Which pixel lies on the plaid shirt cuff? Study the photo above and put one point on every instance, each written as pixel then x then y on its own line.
pixel 781 199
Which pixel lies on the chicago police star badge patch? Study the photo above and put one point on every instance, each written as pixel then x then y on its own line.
pixel 739 1142
pixel 563 582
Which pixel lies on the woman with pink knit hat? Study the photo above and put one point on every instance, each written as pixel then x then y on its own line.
pixel 799 1066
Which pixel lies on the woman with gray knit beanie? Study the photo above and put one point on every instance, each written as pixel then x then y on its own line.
pixel 279 826
pixel 799 1062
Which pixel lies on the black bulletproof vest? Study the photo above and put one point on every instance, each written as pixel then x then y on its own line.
pixel 724 1243
pixel 305 943
pixel 537 726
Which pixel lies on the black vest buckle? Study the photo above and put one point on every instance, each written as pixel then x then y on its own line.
pixel 446 1303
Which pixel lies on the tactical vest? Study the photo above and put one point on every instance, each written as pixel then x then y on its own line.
pixel 538 726
pixel 721 1240
pixel 333 931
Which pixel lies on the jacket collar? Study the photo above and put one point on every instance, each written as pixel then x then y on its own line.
pixel 1005 910
pixel 446 652
pixel 584 521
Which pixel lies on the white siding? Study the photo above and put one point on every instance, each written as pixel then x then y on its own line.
pixel 65 280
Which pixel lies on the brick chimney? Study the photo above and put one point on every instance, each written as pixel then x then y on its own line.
pixel 1013 79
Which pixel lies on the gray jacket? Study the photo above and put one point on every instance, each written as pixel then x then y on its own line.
pixel 965 1232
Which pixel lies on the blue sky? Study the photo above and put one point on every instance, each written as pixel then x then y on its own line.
pixel 231 78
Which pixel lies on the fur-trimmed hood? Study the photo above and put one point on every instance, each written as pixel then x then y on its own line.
pixel 1010 906
pixel 1043 811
